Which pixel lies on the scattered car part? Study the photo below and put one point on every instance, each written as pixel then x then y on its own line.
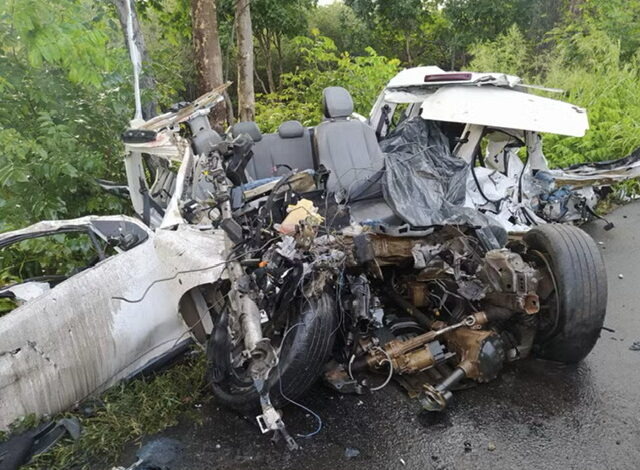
pixel 19 449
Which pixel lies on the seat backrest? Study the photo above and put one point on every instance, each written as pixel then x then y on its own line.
pixel 247 127
pixel 274 154
pixel 347 147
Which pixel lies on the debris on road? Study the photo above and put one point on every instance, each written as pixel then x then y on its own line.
pixel 19 449
pixel 351 452
pixel 159 454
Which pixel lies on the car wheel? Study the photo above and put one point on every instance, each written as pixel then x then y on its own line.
pixel 572 314
pixel 304 349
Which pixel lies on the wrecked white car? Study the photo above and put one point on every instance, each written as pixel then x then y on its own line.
pixel 352 251
pixel 490 121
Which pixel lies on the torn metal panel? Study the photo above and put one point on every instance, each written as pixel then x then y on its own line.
pixel 432 76
pixel 25 291
pixel 103 324
pixel 108 228
pixel 499 107
pixel 173 214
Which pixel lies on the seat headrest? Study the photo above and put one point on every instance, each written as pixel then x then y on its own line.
pixel 247 127
pixel 290 129
pixel 336 102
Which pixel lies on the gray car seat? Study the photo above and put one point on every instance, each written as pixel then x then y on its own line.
pixel 274 154
pixel 347 148
pixel 247 127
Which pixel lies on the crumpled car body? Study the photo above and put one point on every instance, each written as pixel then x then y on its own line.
pixel 494 120
pixel 106 323
pixel 132 309
pixel 125 314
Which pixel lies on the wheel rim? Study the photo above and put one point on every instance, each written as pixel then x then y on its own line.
pixel 549 305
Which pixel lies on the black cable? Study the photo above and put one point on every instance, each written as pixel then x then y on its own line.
pixel 526 162
pixel 206 268
pixel 475 178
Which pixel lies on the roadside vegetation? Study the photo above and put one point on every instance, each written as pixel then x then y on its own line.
pixel 66 95
pixel 125 414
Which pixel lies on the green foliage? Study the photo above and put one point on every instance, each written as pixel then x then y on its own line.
pixel 55 33
pixel 128 412
pixel 509 53
pixel 60 254
pixel 63 102
pixel 399 26
pixel 339 23
pixel 283 17
pixel 591 71
pixel 619 20
pixel 167 31
pixel 323 66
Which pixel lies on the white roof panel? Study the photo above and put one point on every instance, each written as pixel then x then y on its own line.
pixel 502 107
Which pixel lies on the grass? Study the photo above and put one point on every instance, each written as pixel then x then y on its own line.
pixel 622 193
pixel 126 413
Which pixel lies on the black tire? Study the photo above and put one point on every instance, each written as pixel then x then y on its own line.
pixel 307 347
pixel 581 280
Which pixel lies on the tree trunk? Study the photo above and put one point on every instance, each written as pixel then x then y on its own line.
pixel 246 95
pixel 208 55
pixel 260 82
pixel 575 8
pixel 147 80
pixel 407 46
pixel 280 59
pixel 265 45
pixel 278 42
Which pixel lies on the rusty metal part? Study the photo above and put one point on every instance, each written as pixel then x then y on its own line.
pixel 338 378
pixel 414 354
pixel 481 352
pixel 435 399
pixel 506 271
pixel 386 250
pixel 481 319
pixel 418 293
pixel 513 281
pixel 531 304
pixel 481 356
pixel 408 307
pixel 414 361
pixel 527 303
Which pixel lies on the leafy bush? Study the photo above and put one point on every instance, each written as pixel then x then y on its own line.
pixel 301 93
pixel 63 103
pixel 508 53
pixel 589 68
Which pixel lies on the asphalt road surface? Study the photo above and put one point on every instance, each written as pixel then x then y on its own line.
pixel 535 415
